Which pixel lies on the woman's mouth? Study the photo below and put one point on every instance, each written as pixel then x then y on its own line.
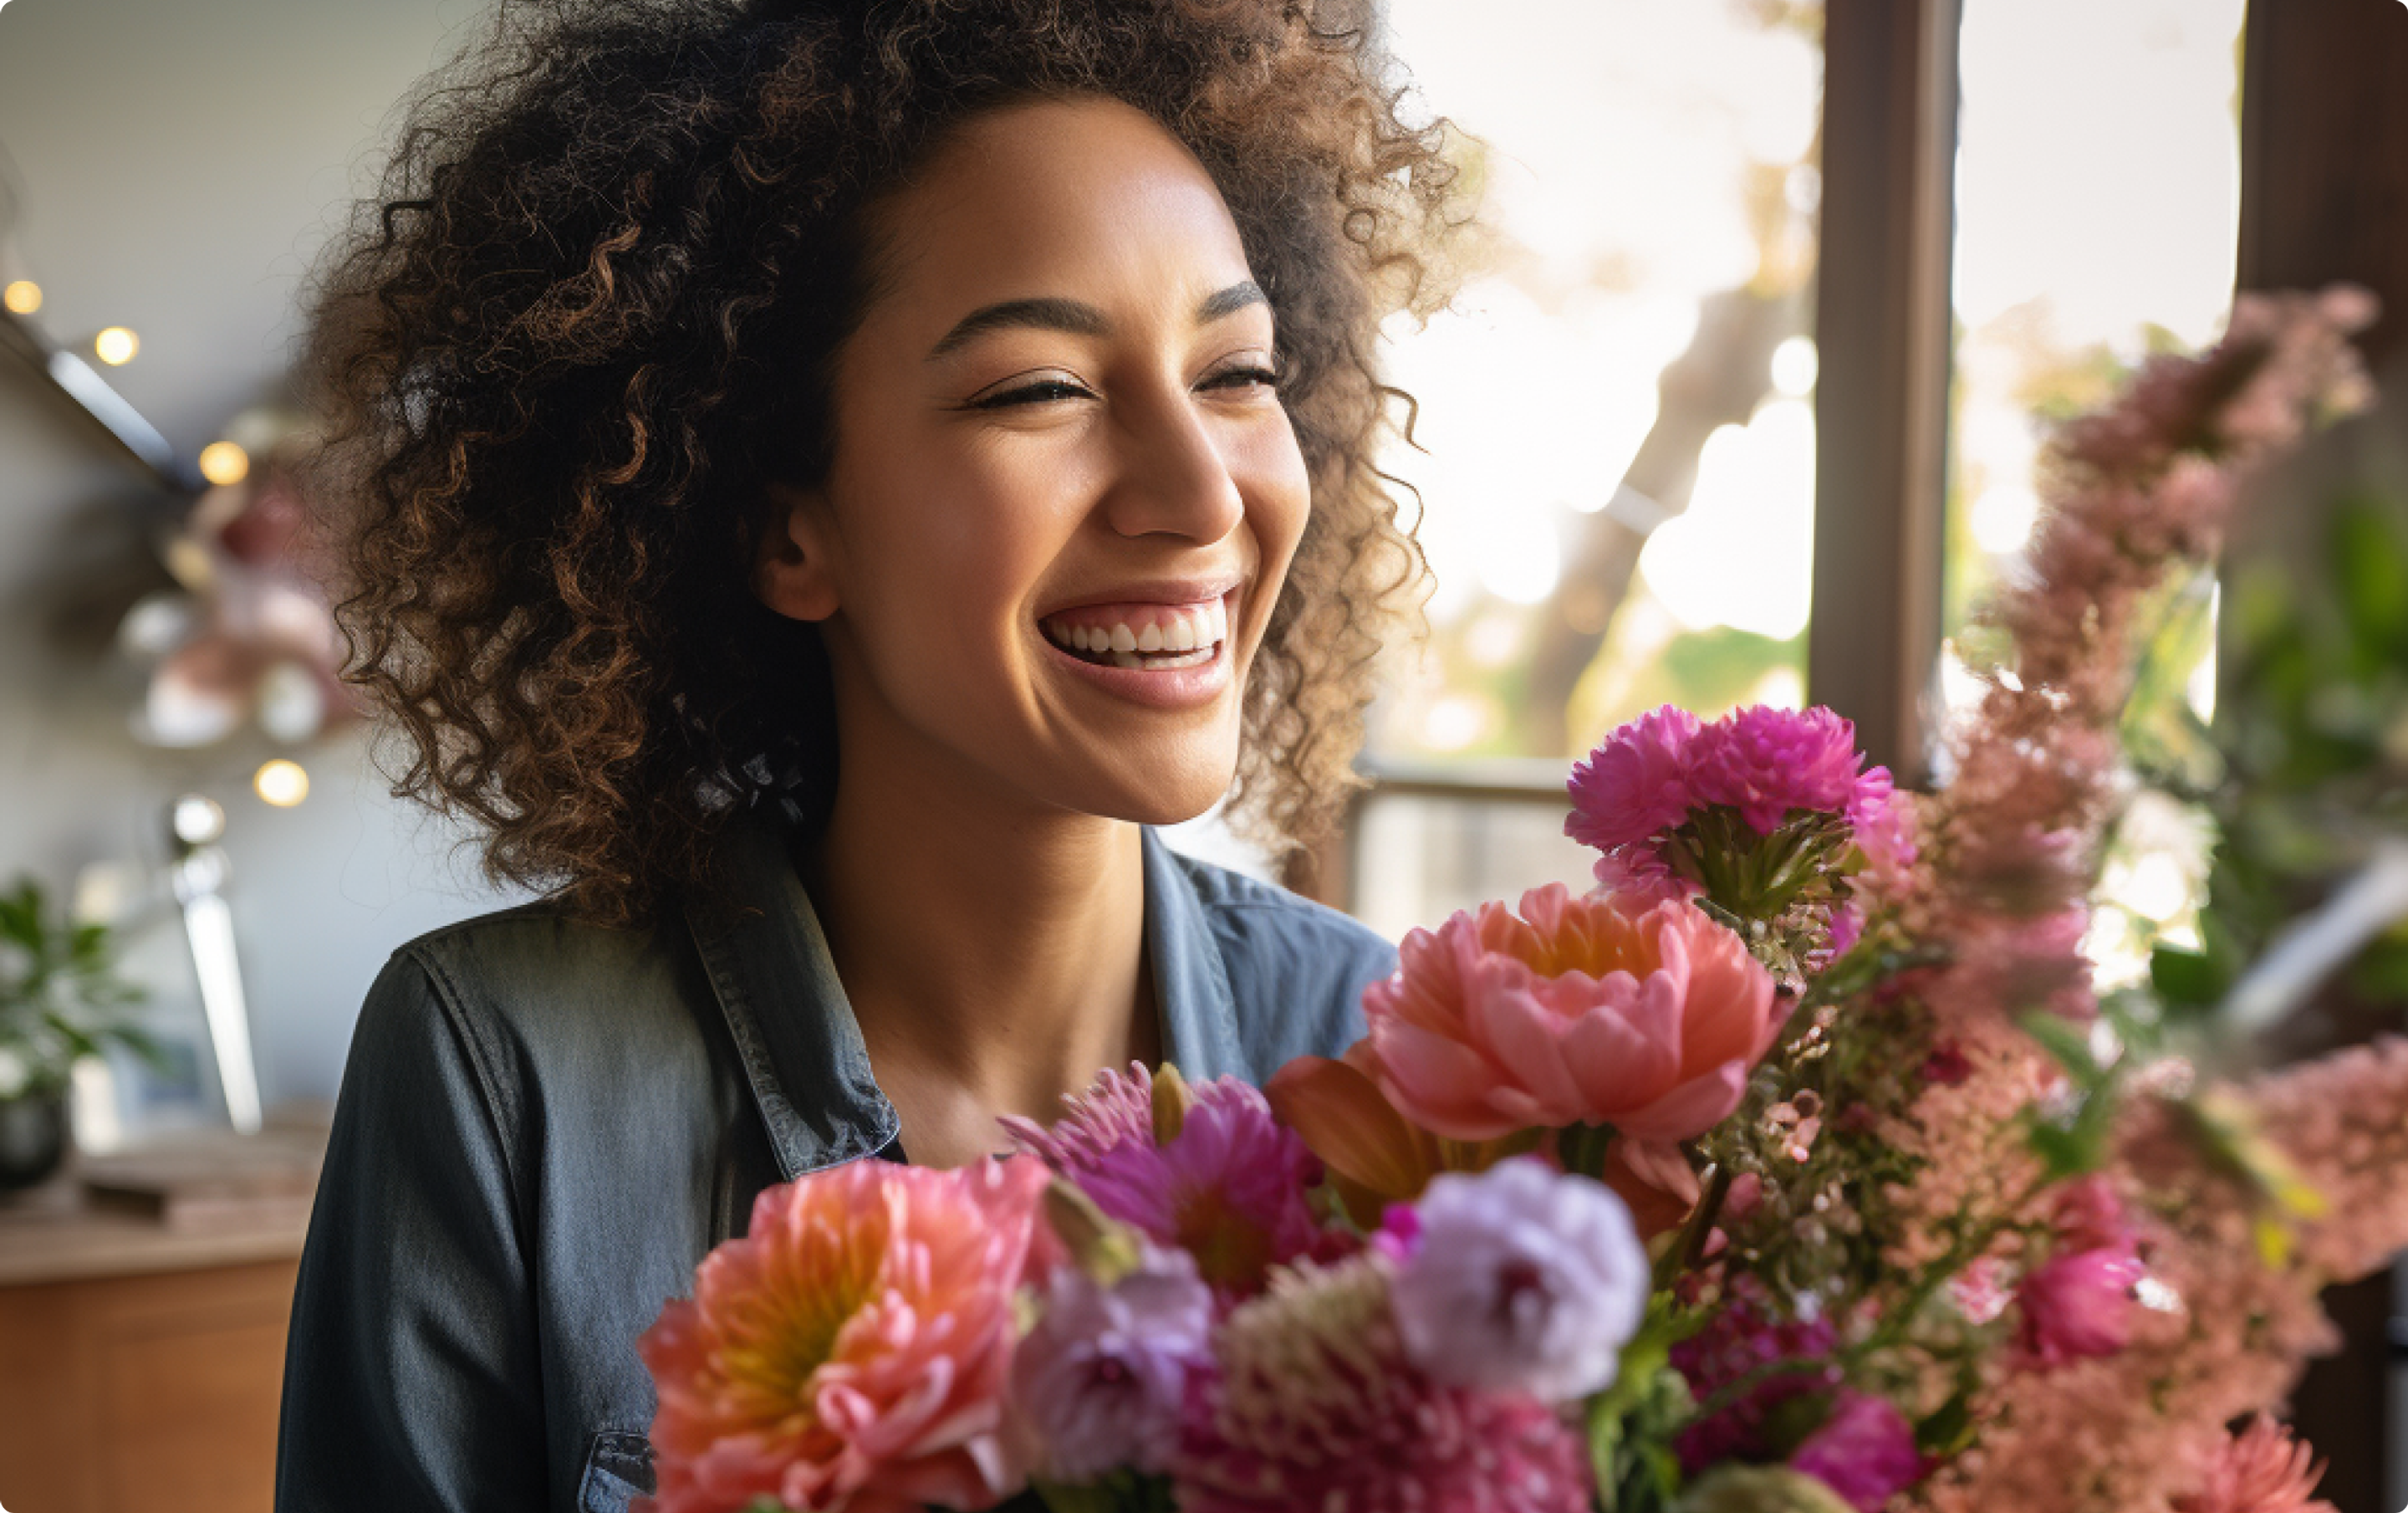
pixel 1142 638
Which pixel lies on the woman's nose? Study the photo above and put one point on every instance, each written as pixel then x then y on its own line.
pixel 1173 477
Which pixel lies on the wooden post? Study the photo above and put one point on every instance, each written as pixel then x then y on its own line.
pixel 2323 196
pixel 1882 328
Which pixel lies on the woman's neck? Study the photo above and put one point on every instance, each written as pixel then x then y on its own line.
pixel 993 950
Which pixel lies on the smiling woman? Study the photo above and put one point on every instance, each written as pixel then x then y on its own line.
pixel 820 482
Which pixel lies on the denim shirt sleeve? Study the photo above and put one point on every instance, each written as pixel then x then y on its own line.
pixel 412 1378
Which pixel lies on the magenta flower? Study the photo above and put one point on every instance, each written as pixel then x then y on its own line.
pixel 1114 1111
pixel 1864 1452
pixel 2078 1304
pixel 1229 1188
pixel 1741 1339
pixel 1525 1280
pixel 1103 1376
pixel 1637 783
pixel 1765 762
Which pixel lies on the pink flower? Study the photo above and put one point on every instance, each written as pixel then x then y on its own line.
pixel 1579 1011
pixel 1882 819
pixel 1103 1376
pixel 2263 1469
pixel 1229 1187
pixel 1637 783
pixel 2078 1304
pixel 1765 762
pixel 1522 1279
pixel 851 1351
pixel 1318 1406
pixel 2089 1216
pixel 1636 873
pixel 1865 1451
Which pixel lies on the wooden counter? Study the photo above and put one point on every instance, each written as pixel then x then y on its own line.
pixel 140 1364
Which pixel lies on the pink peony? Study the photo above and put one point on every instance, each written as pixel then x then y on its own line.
pixel 1864 1452
pixel 2078 1304
pixel 1318 1406
pixel 1521 1280
pixel 1229 1187
pixel 1103 1376
pixel 1579 1011
pixel 851 1351
pixel 1765 762
pixel 2263 1469
pixel 1636 784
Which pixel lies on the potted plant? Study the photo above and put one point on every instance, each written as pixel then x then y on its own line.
pixel 60 1000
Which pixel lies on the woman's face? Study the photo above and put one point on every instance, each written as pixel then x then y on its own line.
pixel 1065 493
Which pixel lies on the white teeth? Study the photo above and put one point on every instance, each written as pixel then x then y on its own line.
pixel 1124 640
pixel 1151 640
pixel 1181 635
pixel 1217 612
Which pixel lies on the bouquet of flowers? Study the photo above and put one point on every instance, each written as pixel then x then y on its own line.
pixel 1795 1167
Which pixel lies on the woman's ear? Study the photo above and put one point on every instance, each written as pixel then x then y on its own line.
pixel 794 569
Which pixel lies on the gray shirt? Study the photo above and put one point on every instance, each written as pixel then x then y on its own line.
pixel 544 1126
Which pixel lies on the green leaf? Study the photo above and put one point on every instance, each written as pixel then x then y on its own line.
pixel 2068 1045
pixel 1946 1429
pixel 2189 979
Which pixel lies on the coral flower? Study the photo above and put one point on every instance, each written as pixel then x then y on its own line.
pixel 2263 1469
pixel 1578 1011
pixel 851 1351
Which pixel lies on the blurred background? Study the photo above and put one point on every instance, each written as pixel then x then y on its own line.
pixel 1770 310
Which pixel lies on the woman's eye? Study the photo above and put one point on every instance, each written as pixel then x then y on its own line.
pixel 1042 392
pixel 1242 378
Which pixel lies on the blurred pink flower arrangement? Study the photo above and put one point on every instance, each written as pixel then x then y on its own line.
pixel 1781 1172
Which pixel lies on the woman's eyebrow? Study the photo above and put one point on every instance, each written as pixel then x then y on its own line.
pixel 1074 317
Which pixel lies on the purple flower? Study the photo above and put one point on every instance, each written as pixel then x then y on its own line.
pixel 1637 783
pixel 1524 1279
pixel 2078 1304
pixel 1864 1452
pixel 1103 1376
pixel 1765 762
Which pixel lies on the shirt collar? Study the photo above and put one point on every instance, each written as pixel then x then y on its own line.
pixel 794 1027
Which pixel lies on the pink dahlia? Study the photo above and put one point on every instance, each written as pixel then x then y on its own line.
pixel 1765 762
pixel 2263 1469
pixel 1578 1011
pixel 1229 1188
pixel 1318 1406
pixel 2078 1304
pixel 1636 784
pixel 851 1351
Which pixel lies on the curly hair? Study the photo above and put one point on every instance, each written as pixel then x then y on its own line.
pixel 590 318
